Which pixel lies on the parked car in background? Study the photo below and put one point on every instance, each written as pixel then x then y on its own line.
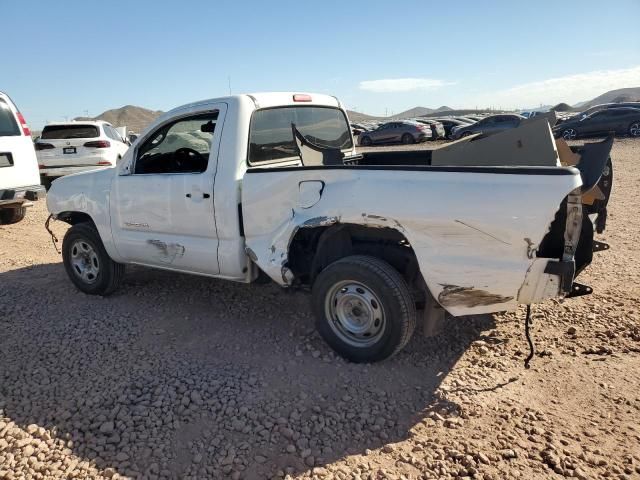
pixel 449 123
pixel 73 147
pixel 621 120
pixel 488 125
pixel 358 128
pixel 437 128
pixel 531 114
pixel 19 179
pixel 606 106
pixel 405 131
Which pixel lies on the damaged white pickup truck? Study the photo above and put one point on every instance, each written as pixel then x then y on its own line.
pixel 270 185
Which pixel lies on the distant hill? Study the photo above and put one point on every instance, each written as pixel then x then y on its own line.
pixel 613 96
pixel 414 112
pixel 360 117
pixel 134 118
pixel 562 107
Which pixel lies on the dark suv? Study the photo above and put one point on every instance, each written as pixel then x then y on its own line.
pixel 623 120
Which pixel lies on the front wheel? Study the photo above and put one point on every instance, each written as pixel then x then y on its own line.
pixel 569 134
pixel 87 263
pixel 12 215
pixel 366 141
pixel 407 139
pixel 634 129
pixel 363 308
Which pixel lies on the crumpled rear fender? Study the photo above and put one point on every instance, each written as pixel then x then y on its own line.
pixel 474 235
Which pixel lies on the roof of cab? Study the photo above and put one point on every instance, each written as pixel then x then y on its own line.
pixel 268 99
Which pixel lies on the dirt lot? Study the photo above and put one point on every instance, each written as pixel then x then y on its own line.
pixel 187 377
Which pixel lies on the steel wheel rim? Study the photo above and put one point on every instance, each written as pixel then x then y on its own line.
pixel 84 261
pixel 569 134
pixel 406 139
pixel 355 313
pixel 634 129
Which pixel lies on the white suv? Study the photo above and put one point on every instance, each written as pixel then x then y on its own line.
pixel 19 179
pixel 72 147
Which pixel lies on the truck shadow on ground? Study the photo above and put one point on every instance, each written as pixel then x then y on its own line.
pixel 177 376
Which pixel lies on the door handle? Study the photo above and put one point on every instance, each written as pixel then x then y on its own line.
pixel 204 195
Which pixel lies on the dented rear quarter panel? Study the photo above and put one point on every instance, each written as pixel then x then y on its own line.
pixel 472 233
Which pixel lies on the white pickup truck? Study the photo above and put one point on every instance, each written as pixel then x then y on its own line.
pixel 247 187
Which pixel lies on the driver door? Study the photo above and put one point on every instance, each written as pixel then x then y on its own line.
pixel 162 201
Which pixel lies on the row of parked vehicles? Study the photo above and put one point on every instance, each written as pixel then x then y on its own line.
pixel 281 193
pixel 621 118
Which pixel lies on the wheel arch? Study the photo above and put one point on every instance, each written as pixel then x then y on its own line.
pixel 74 217
pixel 313 249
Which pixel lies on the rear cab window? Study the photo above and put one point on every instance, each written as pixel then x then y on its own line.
pixel 66 132
pixel 8 125
pixel 271 136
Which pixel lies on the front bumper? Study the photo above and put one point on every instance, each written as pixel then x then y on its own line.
pixel 20 195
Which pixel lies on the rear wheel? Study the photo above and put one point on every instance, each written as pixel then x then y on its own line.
pixel 465 134
pixel 12 215
pixel 569 134
pixel 87 263
pixel 408 139
pixel 365 141
pixel 363 308
pixel 634 129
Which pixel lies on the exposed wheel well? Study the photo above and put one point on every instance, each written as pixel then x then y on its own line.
pixel 73 218
pixel 312 249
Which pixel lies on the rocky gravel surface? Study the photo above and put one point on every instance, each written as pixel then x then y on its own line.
pixel 184 377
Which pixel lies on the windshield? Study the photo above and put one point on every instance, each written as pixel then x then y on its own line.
pixel 271 136
pixel 61 132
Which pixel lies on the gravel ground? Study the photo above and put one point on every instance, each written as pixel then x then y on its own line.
pixel 184 377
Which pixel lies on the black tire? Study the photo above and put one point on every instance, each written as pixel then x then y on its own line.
pixel 634 129
pixel 109 274
pixel 407 139
pixel 465 134
pixel 46 182
pixel 12 215
pixel 393 301
pixel 366 141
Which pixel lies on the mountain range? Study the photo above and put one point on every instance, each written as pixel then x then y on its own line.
pixel 137 118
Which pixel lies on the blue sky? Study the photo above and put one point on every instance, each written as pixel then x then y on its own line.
pixel 60 59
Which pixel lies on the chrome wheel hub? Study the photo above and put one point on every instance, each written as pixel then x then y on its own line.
pixel 84 261
pixel 355 313
pixel 569 134
pixel 634 129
